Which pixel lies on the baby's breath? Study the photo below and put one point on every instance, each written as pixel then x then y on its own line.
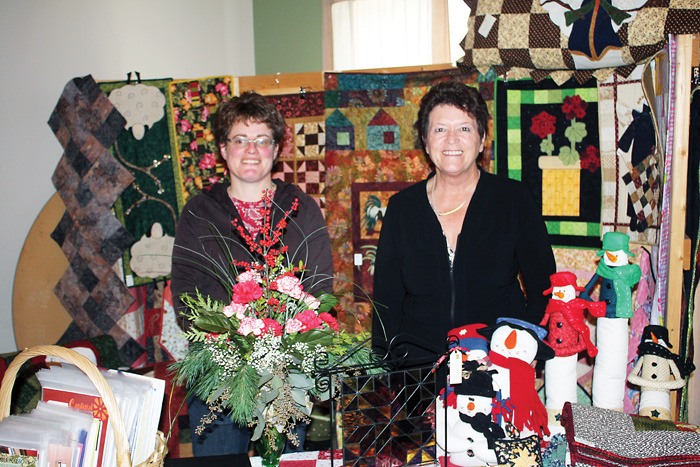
pixel 226 356
pixel 267 355
pixel 311 357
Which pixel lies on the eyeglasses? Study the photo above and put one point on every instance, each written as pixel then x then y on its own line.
pixel 242 142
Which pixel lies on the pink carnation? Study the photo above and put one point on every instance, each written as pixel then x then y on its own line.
pixel 329 320
pixel 272 327
pixel 249 324
pixel 246 292
pixel 293 325
pixel 289 285
pixel 311 301
pixel 249 276
pixel 234 309
pixel 309 320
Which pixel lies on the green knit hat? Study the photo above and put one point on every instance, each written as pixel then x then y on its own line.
pixel 613 241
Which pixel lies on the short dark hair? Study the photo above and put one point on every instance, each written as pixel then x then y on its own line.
pixel 249 106
pixel 456 94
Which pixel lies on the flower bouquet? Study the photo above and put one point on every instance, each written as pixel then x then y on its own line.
pixel 260 358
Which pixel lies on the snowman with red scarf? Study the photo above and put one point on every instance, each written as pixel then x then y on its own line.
pixel 514 345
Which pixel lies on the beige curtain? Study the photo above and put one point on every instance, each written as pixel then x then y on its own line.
pixel 364 34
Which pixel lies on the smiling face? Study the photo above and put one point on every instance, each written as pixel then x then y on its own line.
pixel 471 405
pixel 565 293
pixel 250 164
pixel 514 343
pixel 452 140
pixel 615 258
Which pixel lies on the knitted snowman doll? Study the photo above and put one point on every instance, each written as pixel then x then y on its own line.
pixel 568 335
pixel 514 345
pixel 464 428
pixel 617 277
pixel 657 372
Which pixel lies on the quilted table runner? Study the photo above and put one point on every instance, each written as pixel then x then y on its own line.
pixel 145 148
pixel 547 137
pixel 89 180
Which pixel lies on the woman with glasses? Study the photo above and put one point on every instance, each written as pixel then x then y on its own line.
pixel 249 131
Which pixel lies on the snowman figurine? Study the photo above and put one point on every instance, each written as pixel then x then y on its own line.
pixel 464 427
pixel 514 345
pixel 617 277
pixel 568 335
pixel 657 372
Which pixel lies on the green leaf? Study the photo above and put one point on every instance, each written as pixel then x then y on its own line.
pixel 268 396
pixel 217 324
pixel 299 396
pixel 315 337
pixel 244 394
pixel 300 380
pixel 259 426
pixel 547 147
pixel 576 132
pixel 568 156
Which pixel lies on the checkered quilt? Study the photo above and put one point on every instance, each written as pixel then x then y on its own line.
pixel 570 38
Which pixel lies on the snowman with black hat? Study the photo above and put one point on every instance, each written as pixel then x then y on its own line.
pixel 464 426
pixel 657 372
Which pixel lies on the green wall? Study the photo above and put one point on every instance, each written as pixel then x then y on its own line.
pixel 287 36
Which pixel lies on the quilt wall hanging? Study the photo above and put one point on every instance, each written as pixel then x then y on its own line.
pixel 547 137
pixel 149 207
pixel 89 180
pixel 571 38
pixel 194 105
pixel 301 160
pixel 630 160
pixel 371 153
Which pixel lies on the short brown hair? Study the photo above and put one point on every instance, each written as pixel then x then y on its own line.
pixel 249 106
pixel 456 94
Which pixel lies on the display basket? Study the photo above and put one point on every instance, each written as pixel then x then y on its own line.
pixel 116 421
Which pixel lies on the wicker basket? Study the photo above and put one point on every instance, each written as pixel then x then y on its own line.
pixel 115 418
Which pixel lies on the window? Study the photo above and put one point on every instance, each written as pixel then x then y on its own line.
pixel 365 34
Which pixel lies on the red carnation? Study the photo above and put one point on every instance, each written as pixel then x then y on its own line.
pixel 246 292
pixel 271 326
pixel 329 320
pixel 309 319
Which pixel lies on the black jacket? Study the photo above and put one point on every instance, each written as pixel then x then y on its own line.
pixel 205 240
pixel 420 296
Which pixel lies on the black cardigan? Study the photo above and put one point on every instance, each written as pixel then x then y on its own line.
pixel 205 227
pixel 417 295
